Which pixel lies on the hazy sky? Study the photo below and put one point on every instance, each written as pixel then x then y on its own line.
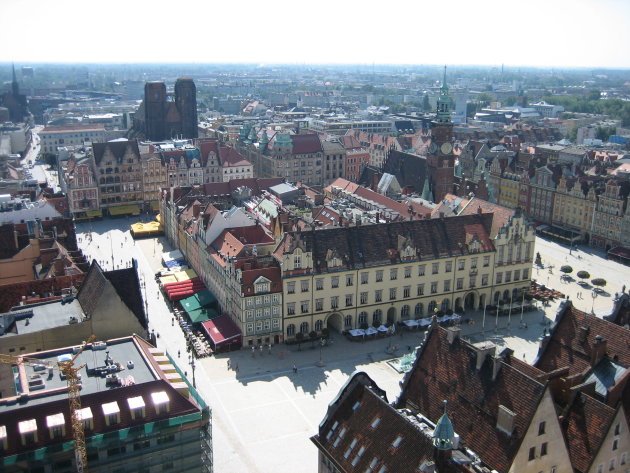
pixel 550 33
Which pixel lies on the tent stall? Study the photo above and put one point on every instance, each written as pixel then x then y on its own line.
pixel 224 335
pixel 145 230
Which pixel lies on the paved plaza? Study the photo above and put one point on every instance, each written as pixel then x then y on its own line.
pixel 264 413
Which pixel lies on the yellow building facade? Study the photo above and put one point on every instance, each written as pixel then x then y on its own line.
pixel 354 277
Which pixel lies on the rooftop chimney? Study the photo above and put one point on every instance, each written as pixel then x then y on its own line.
pixel 483 350
pixel 452 334
pixel 195 210
pixel 598 350
pixel 505 420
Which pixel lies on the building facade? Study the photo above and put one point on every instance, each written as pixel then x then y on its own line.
pixel 118 168
pixel 335 279
pixel 53 137
pixel 153 420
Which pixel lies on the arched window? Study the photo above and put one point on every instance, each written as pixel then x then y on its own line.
pixel 432 306
pixel 506 296
pixel 363 318
pixel 419 310
pixel 348 321
pixel 304 327
pixel 377 316
pixel 515 294
pixel 497 296
pixel 445 304
pixel 404 313
pixel 319 325
pixel 291 330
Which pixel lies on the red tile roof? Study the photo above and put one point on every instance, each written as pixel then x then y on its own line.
pixel 585 426
pixel 448 371
pixel 564 347
pixel 303 144
pixel 354 413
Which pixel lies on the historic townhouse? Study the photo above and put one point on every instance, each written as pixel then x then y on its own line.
pixel 509 188
pixel 542 192
pixel 77 180
pixel 350 277
pixel 118 170
pixel 608 217
pixel 574 208
pixel 154 178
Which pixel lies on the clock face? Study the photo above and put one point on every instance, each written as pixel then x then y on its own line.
pixel 446 148
pixel 432 148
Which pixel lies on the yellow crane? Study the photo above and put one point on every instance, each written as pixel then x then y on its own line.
pixel 70 371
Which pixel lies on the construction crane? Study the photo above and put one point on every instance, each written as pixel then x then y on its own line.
pixel 70 371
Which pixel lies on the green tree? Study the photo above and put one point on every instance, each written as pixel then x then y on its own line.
pixel 426 105
pixel 511 100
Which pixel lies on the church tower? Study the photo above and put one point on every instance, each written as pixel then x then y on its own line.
pixel 441 159
pixel 186 101
pixel 155 110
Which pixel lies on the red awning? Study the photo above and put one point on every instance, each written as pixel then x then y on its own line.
pixel 221 330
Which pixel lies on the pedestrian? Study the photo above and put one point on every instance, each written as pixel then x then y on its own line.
pixel 294 368
pixel 179 352
pixel 236 368
pixel 269 348
pixel 229 364
pixel 253 351
pixel 623 289
pixel 261 350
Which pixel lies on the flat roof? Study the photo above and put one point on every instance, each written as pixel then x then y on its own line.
pixel 40 317
pixel 119 351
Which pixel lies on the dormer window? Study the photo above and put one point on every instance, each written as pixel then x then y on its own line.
pixel 85 416
pixel 297 261
pixel 28 431
pixel 160 402
pixel 3 437
pixel 56 425
pixel 136 407
pixel 397 441
pixel 375 422
pixel 111 411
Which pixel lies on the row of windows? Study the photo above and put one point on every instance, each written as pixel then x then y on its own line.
pixel 509 276
pixel 262 326
pixel 379 274
pixel 260 313
pixel 260 300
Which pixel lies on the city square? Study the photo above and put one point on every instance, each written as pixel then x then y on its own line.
pixel 264 412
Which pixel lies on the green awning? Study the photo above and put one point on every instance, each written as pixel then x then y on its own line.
pixel 196 301
pixel 201 315
pixel 205 298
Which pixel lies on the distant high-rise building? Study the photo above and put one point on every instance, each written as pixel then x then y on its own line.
pixel 163 116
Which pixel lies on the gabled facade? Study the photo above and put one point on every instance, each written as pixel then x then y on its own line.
pixel 118 169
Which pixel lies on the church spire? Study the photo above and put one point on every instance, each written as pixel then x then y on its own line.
pixel 443 434
pixel 14 85
pixel 444 103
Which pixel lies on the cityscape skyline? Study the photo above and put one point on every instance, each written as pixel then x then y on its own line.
pixel 486 33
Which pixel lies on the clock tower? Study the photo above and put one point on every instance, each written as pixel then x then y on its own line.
pixel 441 159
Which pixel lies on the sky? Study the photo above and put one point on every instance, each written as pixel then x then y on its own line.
pixel 545 33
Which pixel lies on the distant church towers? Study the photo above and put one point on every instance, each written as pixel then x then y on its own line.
pixel 165 116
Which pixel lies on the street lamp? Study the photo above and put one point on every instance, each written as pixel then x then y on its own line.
pixel 320 363
pixel 191 360
pixel 594 296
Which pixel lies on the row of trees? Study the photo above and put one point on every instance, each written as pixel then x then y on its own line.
pixel 592 103
pixel 583 275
